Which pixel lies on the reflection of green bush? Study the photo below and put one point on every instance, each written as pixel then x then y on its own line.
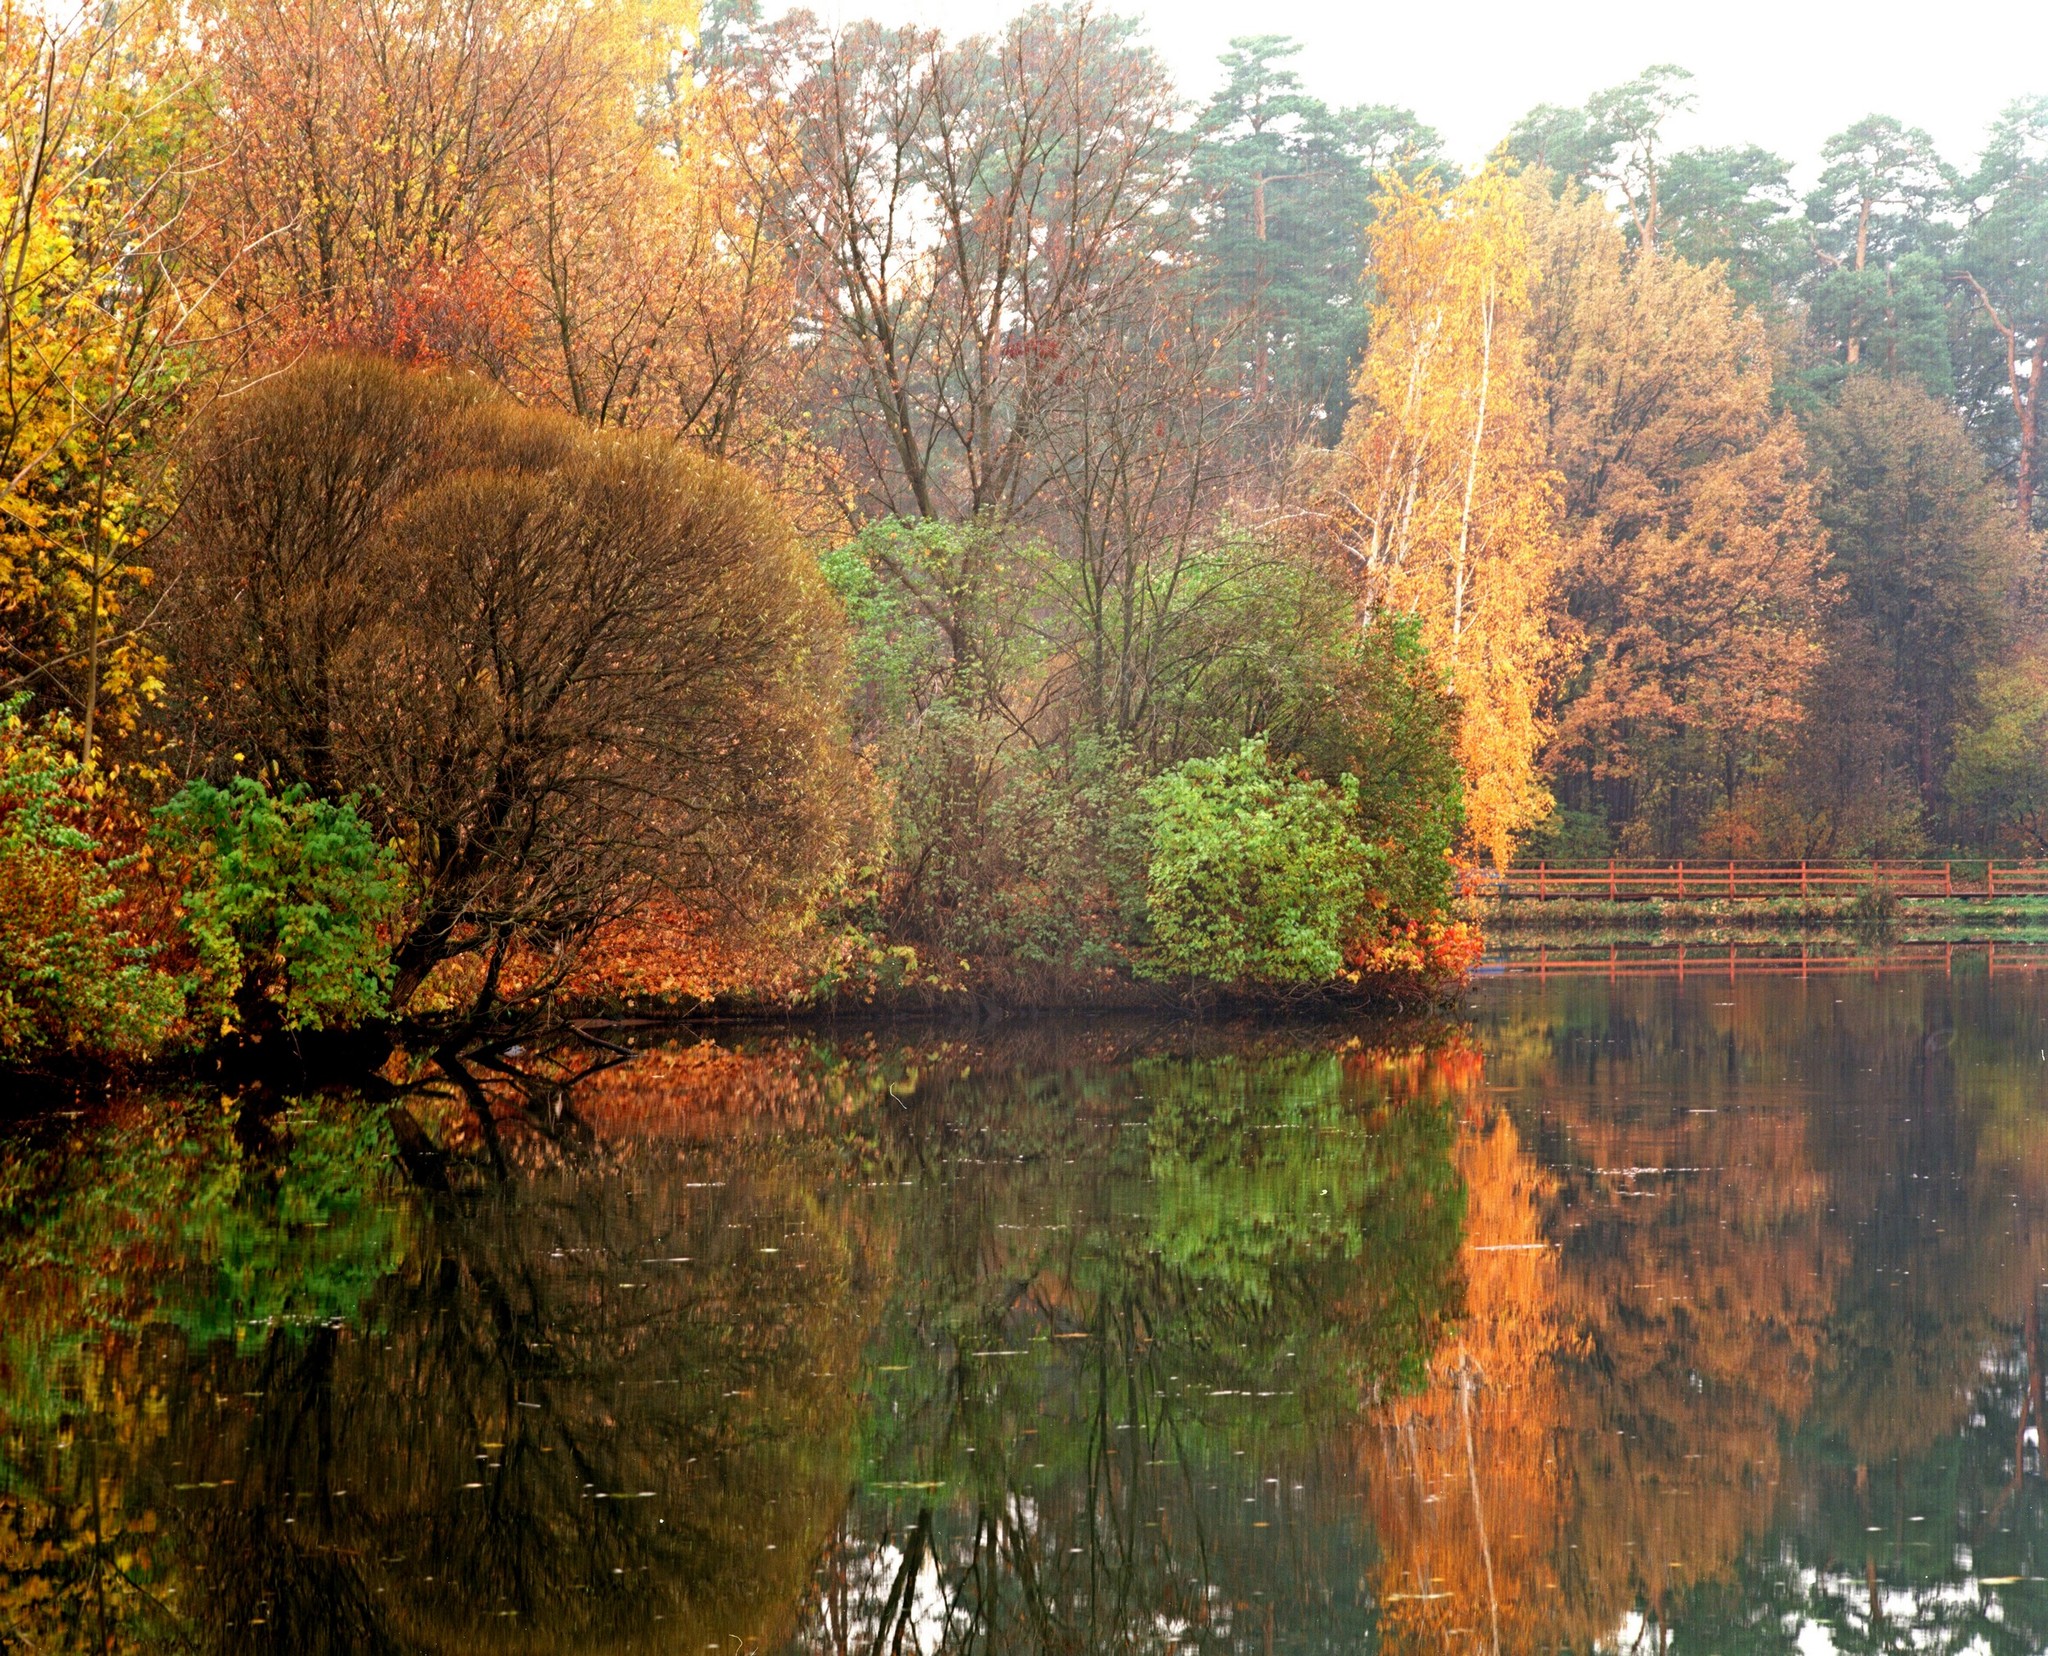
pixel 168 1221
pixel 1132 1294
pixel 303 1243
pixel 1252 1176
pixel 1280 1240
pixel 1281 1202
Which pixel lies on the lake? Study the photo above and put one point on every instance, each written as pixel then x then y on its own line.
pixel 1616 1312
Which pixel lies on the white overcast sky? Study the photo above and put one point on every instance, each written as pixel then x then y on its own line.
pixel 1781 73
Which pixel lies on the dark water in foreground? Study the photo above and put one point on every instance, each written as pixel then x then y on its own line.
pixel 1633 1316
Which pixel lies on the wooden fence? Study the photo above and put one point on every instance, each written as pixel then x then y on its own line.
pixel 1620 882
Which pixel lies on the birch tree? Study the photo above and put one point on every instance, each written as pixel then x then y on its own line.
pixel 1441 496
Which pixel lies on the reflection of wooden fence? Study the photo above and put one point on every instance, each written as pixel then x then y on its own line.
pixel 1641 881
pixel 1729 962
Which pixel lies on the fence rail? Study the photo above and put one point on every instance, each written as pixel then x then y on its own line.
pixel 1686 879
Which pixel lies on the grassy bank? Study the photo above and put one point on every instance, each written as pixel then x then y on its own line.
pixel 1766 920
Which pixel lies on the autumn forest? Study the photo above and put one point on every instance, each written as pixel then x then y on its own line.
pixel 507 501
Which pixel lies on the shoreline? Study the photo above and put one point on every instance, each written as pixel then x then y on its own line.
pixel 355 1056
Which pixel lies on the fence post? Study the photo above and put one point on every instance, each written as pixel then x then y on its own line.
pixel 1990 878
pixel 1542 880
pixel 1610 879
pixel 1802 876
pixel 1731 876
pixel 1681 884
pixel 1948 879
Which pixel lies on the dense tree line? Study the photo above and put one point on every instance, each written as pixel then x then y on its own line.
pixel 875 512
pixel 1782 597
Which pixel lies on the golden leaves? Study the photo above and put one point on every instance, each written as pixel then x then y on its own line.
pixel 1442 492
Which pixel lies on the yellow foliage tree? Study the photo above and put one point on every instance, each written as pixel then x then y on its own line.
pixel 1442 495
pixel 100 326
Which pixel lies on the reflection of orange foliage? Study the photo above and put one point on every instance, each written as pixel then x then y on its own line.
pixel 1703 1307
pixel 1446 1064
pixel 1604 1432
pixel 1464 1481
pixel 689 1090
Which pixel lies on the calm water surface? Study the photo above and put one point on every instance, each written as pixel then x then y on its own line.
pixel 1641 1316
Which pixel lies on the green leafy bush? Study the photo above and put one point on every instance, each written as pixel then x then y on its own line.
pixel 71 978
pixel 1381 714
pixel 1014 696
pixel 284 899
pixel 1255 876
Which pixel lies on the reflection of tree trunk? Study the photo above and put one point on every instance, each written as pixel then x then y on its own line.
pixel 2030 1399
pixel 1425 1576
pixel 903 1595
pixel 1478 1510
pixel 417 1153
pixel 2034 1368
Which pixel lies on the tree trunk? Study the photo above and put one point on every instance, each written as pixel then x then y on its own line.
pixel 2029 408
pixel 1855 351
pixel 1462 576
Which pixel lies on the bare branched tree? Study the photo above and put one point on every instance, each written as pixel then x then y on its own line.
pixel 960 211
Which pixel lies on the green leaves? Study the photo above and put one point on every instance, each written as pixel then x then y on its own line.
pixel 284 900
pixel 71 977
pixel 1256 876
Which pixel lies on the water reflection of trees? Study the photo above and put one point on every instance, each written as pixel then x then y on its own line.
pixel 534 1365
pixel 1146 1311
pixel 539 1429
pixel 1707 1317
pixel 1784 1280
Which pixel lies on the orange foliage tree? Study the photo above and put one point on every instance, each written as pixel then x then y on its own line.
pixel 544 194
pixel 1695 562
